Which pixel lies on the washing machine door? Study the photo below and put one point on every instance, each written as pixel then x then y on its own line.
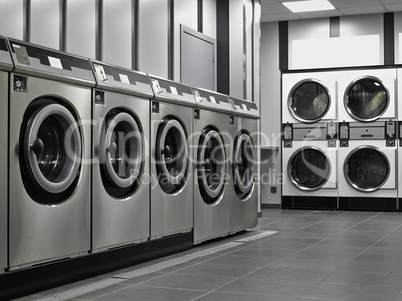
pixel 309 168
pixel 309 101
pixel 171 155
pixel 243 165
pixel 366 168
pixel 50 153
pixel 366 99
pixel 121 153
pixel 211 166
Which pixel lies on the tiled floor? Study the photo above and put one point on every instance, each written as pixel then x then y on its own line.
pixel 316 255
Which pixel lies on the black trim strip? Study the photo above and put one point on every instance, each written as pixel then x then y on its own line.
pixel 334 27
pixel 134 41
pixel 170 39
pixel 27 20
pixel 63 23
pixel 389 42
pixel 222 46
pixel 284 45
pixel 200 16
pixel 98 28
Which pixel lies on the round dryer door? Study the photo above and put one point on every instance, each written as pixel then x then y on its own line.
pixel 366 168
pixel 243 164
pixel 309 101
pixel 50 152
pixel 211 165
pixel 171 155
pixel 121 153
pixel 309 168
pixel 366 99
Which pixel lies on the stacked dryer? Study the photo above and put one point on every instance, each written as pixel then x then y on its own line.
pixel 244 158
pixel 120 168
pixel 171 158
pixel 211 176
pixel 6 66
pixel 49 155
pixel 367 132
pixel 309 150
pixel 399 131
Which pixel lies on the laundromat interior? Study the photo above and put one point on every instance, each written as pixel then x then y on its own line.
pixel 201 150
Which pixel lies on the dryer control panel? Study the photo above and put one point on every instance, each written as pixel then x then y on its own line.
pixel 367 131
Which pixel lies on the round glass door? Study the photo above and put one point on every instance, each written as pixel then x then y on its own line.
pixel 210 165
pixel 50 153
pixel 366 99
pixel 309 168
pixel 309 101
pixel 243 167
pixel 171 155
pixel 366 168
pixel 121 154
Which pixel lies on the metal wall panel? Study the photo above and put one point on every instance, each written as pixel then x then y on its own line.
pixel 152 49
pixel 209 18
pixel 117 32
pixel 12 18
pixel 45 23
pixel 80 27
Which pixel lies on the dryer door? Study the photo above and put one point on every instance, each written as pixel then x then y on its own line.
pixel 309 100
pixel 309 168
pixel 211 165
pixel 50 153
pixel 366 99
pixel 243 165
pixel 121 153
pixel 367 168
pixel 171 155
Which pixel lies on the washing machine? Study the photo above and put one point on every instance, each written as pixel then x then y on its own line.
pixel 6 66
pixel 367 95
pixel 309 165
pixel 309 97
pixel 120 169
pixel 367 166
pixel 211 182
pixel 49 155
pixel 172 160
pixel 244 158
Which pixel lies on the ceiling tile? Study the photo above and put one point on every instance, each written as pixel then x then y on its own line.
pixel 353 3
pixel 269 9
pixel 319 14
pixel 391 1
pixel 268 1
pixel 394 7
pixel 363 10
pixel 279 17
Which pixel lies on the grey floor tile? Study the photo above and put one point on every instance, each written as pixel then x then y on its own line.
pixel 185 281
pixel 248 261
pixel 206 268
pixel 139 293
pixel 330 291
pixel 267 288
pixel 217 296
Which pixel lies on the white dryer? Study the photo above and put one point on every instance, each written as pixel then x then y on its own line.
pixel 399 78
pixel 367 166
pixel 49 155
pixel 172 161
pixel 6 66
pixel 212 152
pixel 310 165
pixel 244 158
pixel 367 95
pixel 120 169
pixel 309 97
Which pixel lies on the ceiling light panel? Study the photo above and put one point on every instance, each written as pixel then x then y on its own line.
pixel 308 6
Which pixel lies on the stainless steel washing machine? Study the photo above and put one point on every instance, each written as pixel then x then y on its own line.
pixel 367 95
pixel 172 162
pixel 211 176
pixel 309 97
pixel 6 65
pixel 310 165
pixel 49 155
pixel 120 169
pixel 244 158
pixel 367 166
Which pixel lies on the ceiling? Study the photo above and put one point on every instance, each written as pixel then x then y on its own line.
pixel 273 10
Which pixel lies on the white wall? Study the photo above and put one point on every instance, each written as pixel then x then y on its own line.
pixel 45 23
pixel 398 37
pixel 209 18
